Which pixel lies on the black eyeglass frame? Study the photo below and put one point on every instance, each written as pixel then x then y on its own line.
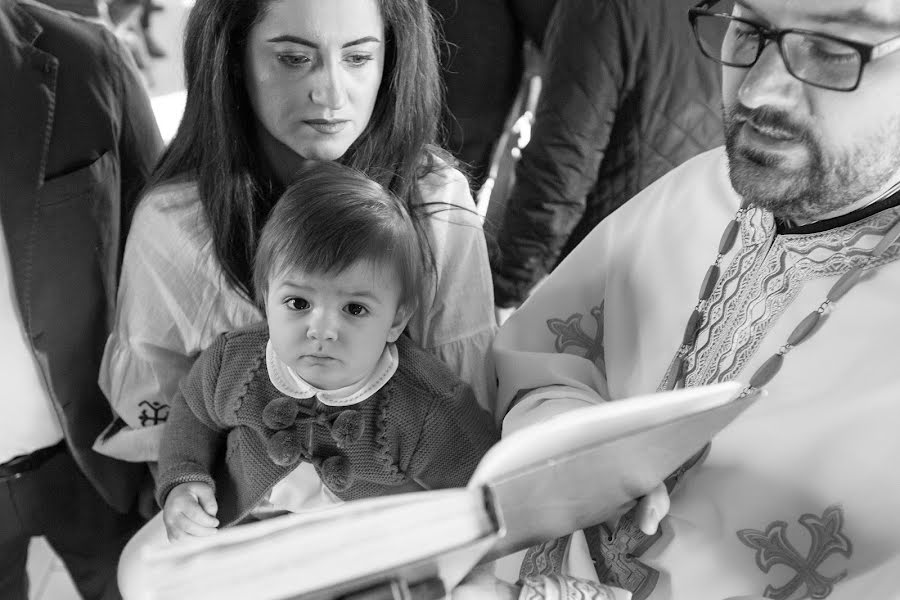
pixel 867 52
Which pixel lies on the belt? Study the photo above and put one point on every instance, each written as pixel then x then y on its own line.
pixel 13 469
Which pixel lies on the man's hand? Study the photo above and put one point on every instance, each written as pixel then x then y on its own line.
pixel 481 584
pixel 649 510
pixel 190 511
pixel 652 508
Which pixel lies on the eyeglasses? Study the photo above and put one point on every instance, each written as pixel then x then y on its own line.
pixel 819 59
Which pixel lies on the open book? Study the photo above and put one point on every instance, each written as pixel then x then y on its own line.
pixel 544 481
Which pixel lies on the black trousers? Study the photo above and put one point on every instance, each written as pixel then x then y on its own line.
pixel 58 502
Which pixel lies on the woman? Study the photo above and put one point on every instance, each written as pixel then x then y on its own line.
pixel 272 83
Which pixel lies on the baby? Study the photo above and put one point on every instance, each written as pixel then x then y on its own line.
pixel 327 400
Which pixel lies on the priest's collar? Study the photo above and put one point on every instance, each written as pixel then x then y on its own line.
pixel 289 383
pixel 891 200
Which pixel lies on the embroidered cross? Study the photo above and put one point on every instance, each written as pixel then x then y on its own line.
pixel 773 548
pixel 570 337
pixel 159 412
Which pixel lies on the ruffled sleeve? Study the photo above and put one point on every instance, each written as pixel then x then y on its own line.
pixel 173 301
pixel 455 320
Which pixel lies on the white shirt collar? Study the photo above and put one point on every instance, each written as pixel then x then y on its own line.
pixel 289 383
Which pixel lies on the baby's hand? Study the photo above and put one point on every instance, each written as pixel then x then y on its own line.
pixel 190 510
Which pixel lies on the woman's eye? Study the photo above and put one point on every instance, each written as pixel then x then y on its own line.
pixel 357 310
pixel 293 60
pixel 297 303
pixel 358 60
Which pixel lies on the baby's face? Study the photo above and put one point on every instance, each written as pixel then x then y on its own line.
pixel 332 329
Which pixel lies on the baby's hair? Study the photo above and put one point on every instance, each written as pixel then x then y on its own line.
pixel 330 218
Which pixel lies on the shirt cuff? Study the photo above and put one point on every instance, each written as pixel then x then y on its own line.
pixel 132 445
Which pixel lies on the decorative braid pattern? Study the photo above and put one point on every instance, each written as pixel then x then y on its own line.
pixel 765 277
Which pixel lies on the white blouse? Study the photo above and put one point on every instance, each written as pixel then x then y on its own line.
pixel 174 301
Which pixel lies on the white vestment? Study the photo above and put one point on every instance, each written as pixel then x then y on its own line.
pixel 800 497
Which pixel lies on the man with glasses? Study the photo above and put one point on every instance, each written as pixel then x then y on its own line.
pixel 773 261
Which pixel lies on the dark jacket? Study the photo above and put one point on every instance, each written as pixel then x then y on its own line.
pixel 231 428
pixel 482 64
pixel 78 142
pixel 626 97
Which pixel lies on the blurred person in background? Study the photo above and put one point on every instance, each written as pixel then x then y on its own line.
pixel 154 49
pixel 482 58
pixel 79 141
pixel 128 19
pixel 625 98
pixel 90 9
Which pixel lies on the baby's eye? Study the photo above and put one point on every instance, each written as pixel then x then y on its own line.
pixel 357 310
pixel 297 303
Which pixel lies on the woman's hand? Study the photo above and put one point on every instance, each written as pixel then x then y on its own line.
pixel 190 511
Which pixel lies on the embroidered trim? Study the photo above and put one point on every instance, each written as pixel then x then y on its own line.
pixel 563 587
pixel 544 559
pixel 159 413
pixel 532 589
pixel 616 556
pixel 764 278
pixel 582 589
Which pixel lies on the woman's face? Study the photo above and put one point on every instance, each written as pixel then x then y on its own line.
pixel 313 69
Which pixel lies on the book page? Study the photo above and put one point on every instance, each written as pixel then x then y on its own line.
pixel 305 553
pixel 592 425
pixel 577 469
pixel 541 482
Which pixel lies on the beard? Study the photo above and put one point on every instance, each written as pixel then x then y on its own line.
pixel 824 184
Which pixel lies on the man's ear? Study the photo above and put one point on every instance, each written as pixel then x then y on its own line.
pixel 404 313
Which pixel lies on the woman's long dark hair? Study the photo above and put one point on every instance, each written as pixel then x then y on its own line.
pixel 216 140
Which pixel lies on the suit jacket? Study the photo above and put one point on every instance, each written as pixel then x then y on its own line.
pixel 78 142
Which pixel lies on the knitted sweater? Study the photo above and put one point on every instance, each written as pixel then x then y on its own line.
pixel 231 428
